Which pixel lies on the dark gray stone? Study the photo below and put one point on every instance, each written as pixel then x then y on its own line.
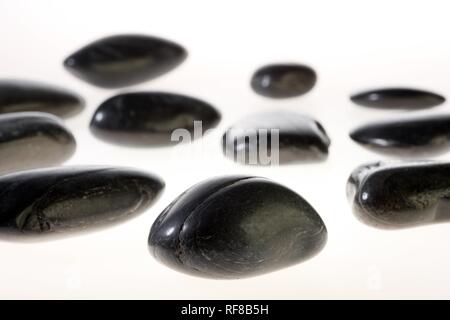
pixel 301 139
pixel 400 194
pixel 149 118
pixel 124 60
pixel 283 80
pixel 56 200
pixel 32 140
pixel 19 96
pixel 235 227
pixel 420 137
pixel 398 98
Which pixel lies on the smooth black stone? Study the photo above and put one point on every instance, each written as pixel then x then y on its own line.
pixel 283 80
pixel 124 60
pixel 149 118
pixel 398 98
pixel 55 200
pixel 235 227
pixel 19 96
pixel 301 139
pixel 400 194
pixel 415 136
pixel 32 140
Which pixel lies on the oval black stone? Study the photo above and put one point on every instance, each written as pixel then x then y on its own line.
pixel 65 199
pixel 236 226
pixel 411 137
pixel 300 139
pixel 149 118
pixel 398 195
pixel 124 60
pixel 32 140
pixel 19 96
pixel 398 98
pixel 283 80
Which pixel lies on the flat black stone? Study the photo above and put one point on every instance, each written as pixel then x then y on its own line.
pixel 415 136
pixel 398 98
pixel 19 95
pixel 283 80
pixel 149 118
pixel 402 194
pixel 32 140
pixel 124 60
pixel 55 200
pixel 235 227
pixel 301 139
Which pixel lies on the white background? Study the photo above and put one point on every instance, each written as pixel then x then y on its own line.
pixel 353 45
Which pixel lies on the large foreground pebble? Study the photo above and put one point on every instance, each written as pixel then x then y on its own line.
pixel 31 140
pixel 235 227
pixel 19 95
pixel 150 118
pixel 63 199
pixel 124 60
pixel 400 194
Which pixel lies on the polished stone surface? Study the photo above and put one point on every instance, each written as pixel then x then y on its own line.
pixel 300 139
pixel 64 199
pixel 283 80
pixel 124 60
pixel 400 194
pixel 20 95
pixel 418 136
pixel 149 118
pixel 235 227
pixel 32 140
pixel 398 98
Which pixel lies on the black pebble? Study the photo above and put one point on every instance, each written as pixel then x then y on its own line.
pixel 283 80
pixel 149 118
pixel 19 95
pixel 301 139
pixel 399 195
pixel 235 227
pixel 47 201
pixel 428 135
pixel 398 98
pixel 32 140
pixel 124 60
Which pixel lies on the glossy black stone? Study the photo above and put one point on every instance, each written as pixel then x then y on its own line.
pixel 300 139
pixel 149 118
pixel 19 96
pixel 428 135
pixel 400 194
pixel 398 98
pixel 124 60
pixel 283 80
pixel 32 140
pixel 235 227
pixel 55 200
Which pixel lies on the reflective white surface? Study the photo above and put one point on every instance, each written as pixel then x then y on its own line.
pixel 353 46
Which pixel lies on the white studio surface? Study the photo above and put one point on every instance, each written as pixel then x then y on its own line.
pixel 353 45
